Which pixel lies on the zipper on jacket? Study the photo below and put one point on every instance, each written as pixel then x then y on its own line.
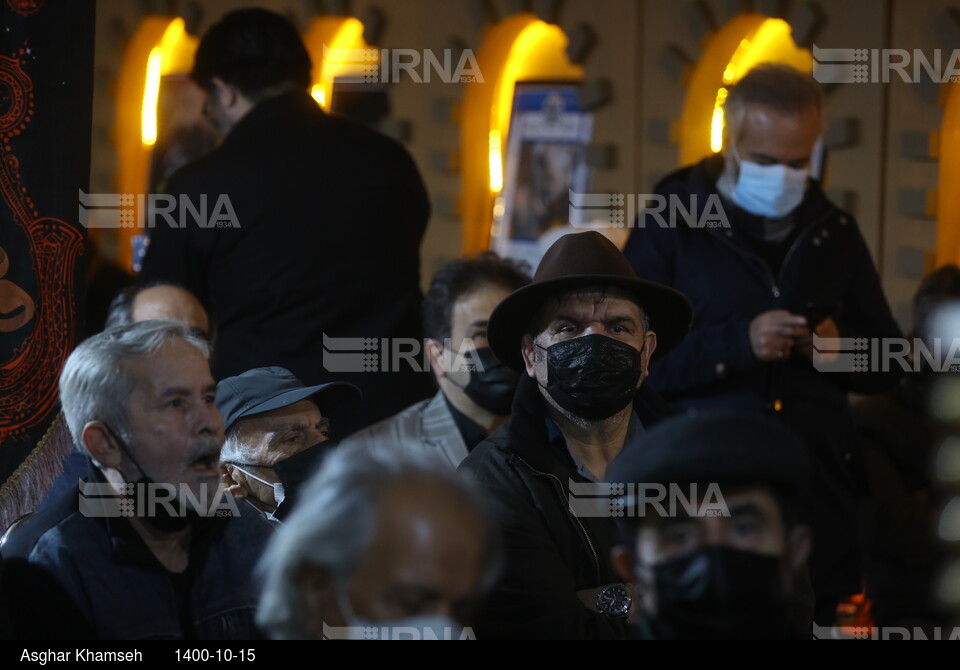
pixel 775 281
pixel 566 503
pixel 796 242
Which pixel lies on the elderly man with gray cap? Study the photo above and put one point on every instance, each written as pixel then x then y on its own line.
pixel 582 333
pixel 712 528
pixel 277 431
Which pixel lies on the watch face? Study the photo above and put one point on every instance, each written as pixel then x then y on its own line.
pixel 614 600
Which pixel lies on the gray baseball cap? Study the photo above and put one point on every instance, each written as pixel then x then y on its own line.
pixel 264 389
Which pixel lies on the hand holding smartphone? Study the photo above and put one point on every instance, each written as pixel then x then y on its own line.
pixel 817 312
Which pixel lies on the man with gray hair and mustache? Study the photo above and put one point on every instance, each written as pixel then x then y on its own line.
pixel 383 545
pixel 151 548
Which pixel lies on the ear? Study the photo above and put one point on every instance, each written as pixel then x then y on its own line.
pixel 529 353
pixel 799 543
pixel 226 93
pixel 101 445
pixel 649 346
pixel 623 562
pixel 435 352
pixel 230 476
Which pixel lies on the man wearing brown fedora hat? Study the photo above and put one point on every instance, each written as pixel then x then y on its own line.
pixel 583 332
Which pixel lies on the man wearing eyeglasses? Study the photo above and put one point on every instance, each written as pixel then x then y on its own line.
pixel 277 432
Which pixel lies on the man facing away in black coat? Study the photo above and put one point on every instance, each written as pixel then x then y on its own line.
pixel 310 225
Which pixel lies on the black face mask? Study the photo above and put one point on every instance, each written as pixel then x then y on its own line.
pixel 593 376
pixel 160 516
pixel 491 384
pixel 721 593
pixel 292 473
pixel 296 470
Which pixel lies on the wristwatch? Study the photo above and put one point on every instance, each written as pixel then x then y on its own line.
pixel 614 601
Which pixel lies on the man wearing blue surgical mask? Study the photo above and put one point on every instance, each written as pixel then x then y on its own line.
pixel 770 265
pixel 276 435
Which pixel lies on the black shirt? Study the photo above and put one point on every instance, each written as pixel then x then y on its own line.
pixel 471 431
pixel 772 252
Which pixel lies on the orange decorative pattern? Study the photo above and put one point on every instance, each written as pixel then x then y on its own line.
pixel 28 379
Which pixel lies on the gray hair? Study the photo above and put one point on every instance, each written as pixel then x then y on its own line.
pixel 334 522
pixel 235 447
pixel 96 384
pixel 777 86
pixel 121 308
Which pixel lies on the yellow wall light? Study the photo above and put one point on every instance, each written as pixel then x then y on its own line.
pixel 496 162
pixel 337 49
pixel 948 206
pixel 731 52
pixel 151 93
pixel 160 46
pixel 518 48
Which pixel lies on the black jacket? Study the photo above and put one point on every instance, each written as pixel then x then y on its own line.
pixel 714 367
pixel 331 216
pixel 549 553
pixel 107 584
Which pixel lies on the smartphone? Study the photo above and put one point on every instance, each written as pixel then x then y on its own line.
pixel 818 312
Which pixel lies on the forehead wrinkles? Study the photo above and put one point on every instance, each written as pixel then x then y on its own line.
pixel 152 372
pixel 594 299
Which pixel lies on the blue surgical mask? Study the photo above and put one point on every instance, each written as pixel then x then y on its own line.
pixel 772 191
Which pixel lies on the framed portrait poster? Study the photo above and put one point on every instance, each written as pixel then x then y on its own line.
pixel 544 162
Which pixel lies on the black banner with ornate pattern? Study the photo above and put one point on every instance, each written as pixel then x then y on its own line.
pixel 46 91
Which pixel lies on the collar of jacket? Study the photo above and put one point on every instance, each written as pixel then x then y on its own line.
pixel 268 113
pixel 702 182
pixel 471 432
pixel 129 547
pixel 527 428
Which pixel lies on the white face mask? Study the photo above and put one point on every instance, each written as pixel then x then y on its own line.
pixel 278 493
pixel 424 627
pixel 772 191
pixel 419 627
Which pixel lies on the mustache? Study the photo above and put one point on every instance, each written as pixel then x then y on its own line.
pixel 203 448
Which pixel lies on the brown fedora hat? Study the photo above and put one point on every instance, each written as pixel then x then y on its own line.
pixel 581 260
